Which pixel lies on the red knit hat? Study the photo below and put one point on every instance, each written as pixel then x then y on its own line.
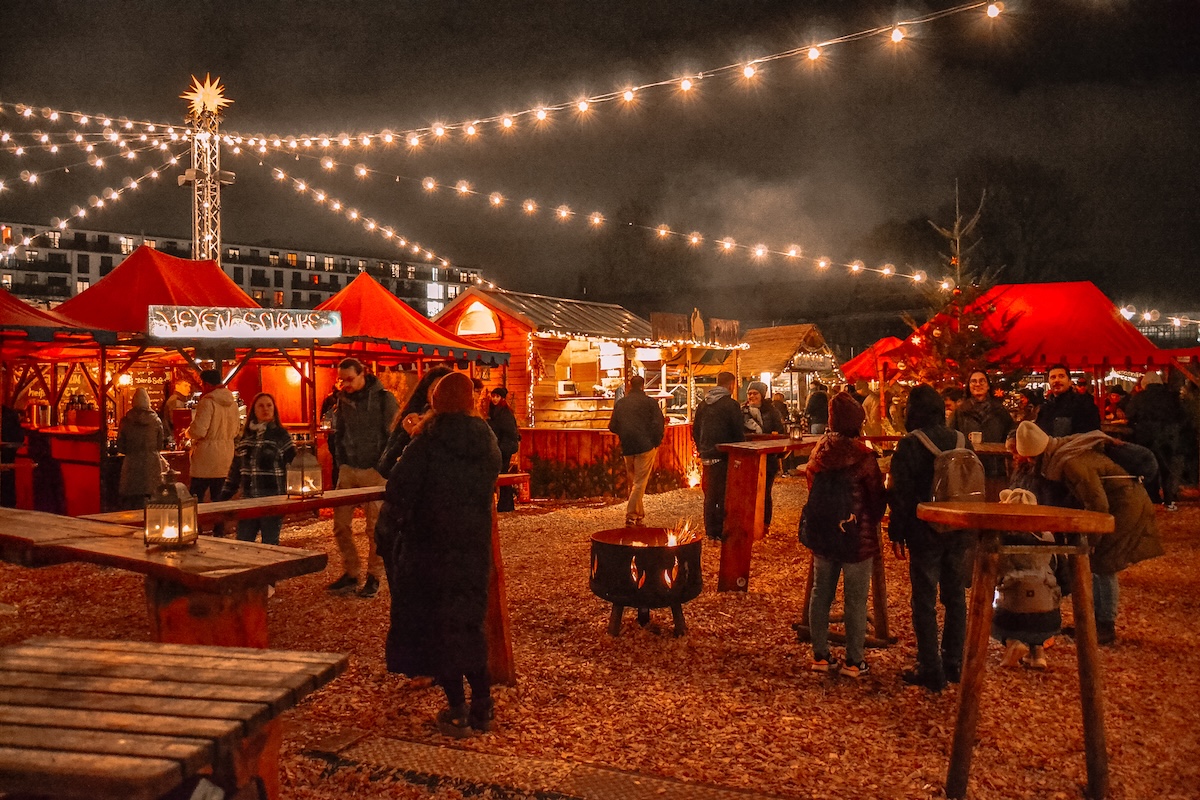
pixel 846 415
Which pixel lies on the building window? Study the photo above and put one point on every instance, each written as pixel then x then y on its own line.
pixel 52 238
pixel 345 263
pixel 435 291
pixel 80 239
pixel 452 291
pixel 238 275
pixel 151 243
pixel 278 278
pixel 234 254
pixel 279 299
pixel 412 272
pixel 310 262
pixel 463 277
pixel 327 261
pixel 258 296
pixel 126 245
pixel 6 280
pixel 83 263
pixel 296 299
pixel 273 258
pixel 291 259
pixel 102 242
pixel 316 279
pixel 395 270
pixel 31 255
pixel 362 265
pixel 81 285
pixel 435 308
pixel 314 298
pixel 334 283
pixel 58 259
pixel 433 273
pixel 31 277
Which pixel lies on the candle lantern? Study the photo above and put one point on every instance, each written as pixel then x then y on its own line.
pixel 171 516
pixel 304 475
pixel 796 432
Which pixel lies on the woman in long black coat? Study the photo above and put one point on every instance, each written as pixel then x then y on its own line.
pixel 441 493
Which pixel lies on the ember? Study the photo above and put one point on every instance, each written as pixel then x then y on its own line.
pixel 646 568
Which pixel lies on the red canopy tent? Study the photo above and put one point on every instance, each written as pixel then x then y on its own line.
pixel 867 365
pixel 371 315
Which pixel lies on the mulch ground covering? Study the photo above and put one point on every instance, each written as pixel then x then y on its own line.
pixel 733 703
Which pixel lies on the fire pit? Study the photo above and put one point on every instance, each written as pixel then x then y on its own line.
pixel 646 568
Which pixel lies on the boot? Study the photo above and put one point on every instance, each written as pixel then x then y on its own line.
pixel 1106 632
pixel 481 715
pixel 453 722
pixel 1014 651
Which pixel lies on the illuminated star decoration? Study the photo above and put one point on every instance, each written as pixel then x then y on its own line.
pixel 207 96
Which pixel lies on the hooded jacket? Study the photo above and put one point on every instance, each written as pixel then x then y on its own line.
pixel 212 432
pixel 912 469
pixel 638 422
pixel 363 421
pixel 837 452
pixel 140 437
pixel 718 420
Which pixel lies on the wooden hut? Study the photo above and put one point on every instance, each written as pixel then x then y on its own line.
pixel 785 357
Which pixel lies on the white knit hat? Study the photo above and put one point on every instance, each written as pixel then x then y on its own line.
pixel 1151 378
pixel 1031 440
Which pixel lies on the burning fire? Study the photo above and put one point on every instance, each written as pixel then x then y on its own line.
pixel 693 478
pixel 683 534
pixel 669 575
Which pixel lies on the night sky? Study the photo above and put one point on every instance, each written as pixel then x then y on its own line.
pixel 1105 91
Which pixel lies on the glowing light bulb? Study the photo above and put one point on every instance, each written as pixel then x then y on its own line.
pixel 507 122
pixel 416 249
pixel 685 84
pixel 562 212
pixel 439 130
pixel 919 276
pixel 27 113
pixel 471 130
pixel 388 233
pixel 583 106
pixel 360 170
pixel 541 114
pixel 327 163
pixel 276 142
pixel 388 137
pixel 463 187
pixel 628 95
pixel 749 71
pixel 760 250
pixel 369 225
pixel 695 238
pixel 889 269
pixel 345 141
pixel 897 34
pixel 366 141
pixel 319 197
pixel 529 206
pixel 324 142
pixel 54 116
pixel 822 263
pixel 430 184
pixel 596 218
pixel 728 244
pixel 414 140
pixel 336 206
pixel 301 186
pixel 496 199
pixel 857 266
pixel 793 251
pixel 83 120
pixel 1176 321
pixel 994 9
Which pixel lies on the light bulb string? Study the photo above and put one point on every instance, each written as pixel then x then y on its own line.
pixel 596 219
pixel 368 223
pixel 28 112
pixel 508 121
pixel 31 177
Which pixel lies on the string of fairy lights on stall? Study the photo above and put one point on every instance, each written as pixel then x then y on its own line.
pixel 118 130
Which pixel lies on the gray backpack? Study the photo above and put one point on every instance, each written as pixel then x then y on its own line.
pixel 957 473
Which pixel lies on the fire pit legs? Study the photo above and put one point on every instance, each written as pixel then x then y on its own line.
pixel 643 618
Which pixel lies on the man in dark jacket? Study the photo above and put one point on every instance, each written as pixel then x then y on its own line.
pixel 362 421
pixel 508 437
pixel 936 563
pixel 817 408
pixel 638 422
pixel 718 420
pixel 1156 414
pixel 1066 411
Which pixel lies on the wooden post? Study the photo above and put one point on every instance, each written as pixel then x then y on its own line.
pixel 744 489
pixel 501 666
pixel 979 628
pixel 1087 653
pixel 181 616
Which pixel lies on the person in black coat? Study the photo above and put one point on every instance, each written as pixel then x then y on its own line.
pixel 760 416
pixel 937 563
pixel 1156 414
pixel 504 425
pixel 441 495
pixel 717 420
pixel 817 408
pixel 639 425
pixel 1066 411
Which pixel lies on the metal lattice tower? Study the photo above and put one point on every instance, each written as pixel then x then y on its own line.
pixel 205 174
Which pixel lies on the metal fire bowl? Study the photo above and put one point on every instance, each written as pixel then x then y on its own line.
pixel 649 574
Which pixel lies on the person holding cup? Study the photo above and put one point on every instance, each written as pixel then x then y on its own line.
pixel 982 417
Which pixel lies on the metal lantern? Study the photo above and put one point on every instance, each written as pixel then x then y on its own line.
pixel 171 517
pixel 304 475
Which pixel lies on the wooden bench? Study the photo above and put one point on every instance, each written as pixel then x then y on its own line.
pixel 140 720
pixel 214 592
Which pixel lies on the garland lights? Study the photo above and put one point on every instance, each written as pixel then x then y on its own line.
pixel 747 71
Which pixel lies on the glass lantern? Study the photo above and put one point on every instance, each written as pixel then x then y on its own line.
pixel 171 517
pixel 304 475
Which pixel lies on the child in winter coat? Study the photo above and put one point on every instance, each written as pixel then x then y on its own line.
pixel 259 466
pixel 1026 608
pixel 840 524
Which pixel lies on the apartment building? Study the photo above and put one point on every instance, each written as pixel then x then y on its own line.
pixel 46 266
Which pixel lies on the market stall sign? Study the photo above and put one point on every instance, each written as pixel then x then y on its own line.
pixel 213 322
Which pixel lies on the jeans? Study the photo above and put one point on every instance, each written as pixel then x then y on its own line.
pixel 713 479
pixel 481 689
pixel 637 470
pixel 343 516
pixel 248 529
pixel 854 592
pixel 939 572
pixel 1106 594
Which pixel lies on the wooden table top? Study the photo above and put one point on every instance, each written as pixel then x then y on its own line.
pixel 254 507
pixel 778 444
pixel 1015 517
pixel 112 719
pixel 37 539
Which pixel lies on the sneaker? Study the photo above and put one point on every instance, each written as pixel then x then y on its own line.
pixel 369 588
pixel 1171 507
pixel 824 664
pixel 915 677
pixel 1106 632
pixel 1037 658
pixel 856 670
pixel 1014 653
pixel 453 722
pixel 343 585
pixel 481 715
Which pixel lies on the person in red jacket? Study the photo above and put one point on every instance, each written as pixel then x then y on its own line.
pixel 845 463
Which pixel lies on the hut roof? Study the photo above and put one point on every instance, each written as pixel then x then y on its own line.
pixel 562 317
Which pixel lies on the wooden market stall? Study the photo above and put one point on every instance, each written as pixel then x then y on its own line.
pixel 785 357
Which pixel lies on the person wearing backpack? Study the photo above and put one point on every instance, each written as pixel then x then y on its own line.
pixel 840 524
pixel 937 562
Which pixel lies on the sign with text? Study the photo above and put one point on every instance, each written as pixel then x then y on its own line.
pixel 214 322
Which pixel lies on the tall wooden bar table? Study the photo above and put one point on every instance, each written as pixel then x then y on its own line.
pixel 745 494
pixel 991 519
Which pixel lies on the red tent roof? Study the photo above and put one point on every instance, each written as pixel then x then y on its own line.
pixel 120 301
pixel 1073 323
pixel 21 322
pixel 372 313
pixel 865 365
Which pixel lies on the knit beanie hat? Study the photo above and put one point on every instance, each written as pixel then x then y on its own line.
pixel 846 415
pixel 141 399
pixel 759 387
pixel 453 394
pixel 1149 378
pixel 1022 497
pixel 500 392
pixel 1031 440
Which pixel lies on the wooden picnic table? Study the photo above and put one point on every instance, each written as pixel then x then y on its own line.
pixel 990 519
pixel 213 592
pixel 254 507
pixel 139 720
pixel 745 494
